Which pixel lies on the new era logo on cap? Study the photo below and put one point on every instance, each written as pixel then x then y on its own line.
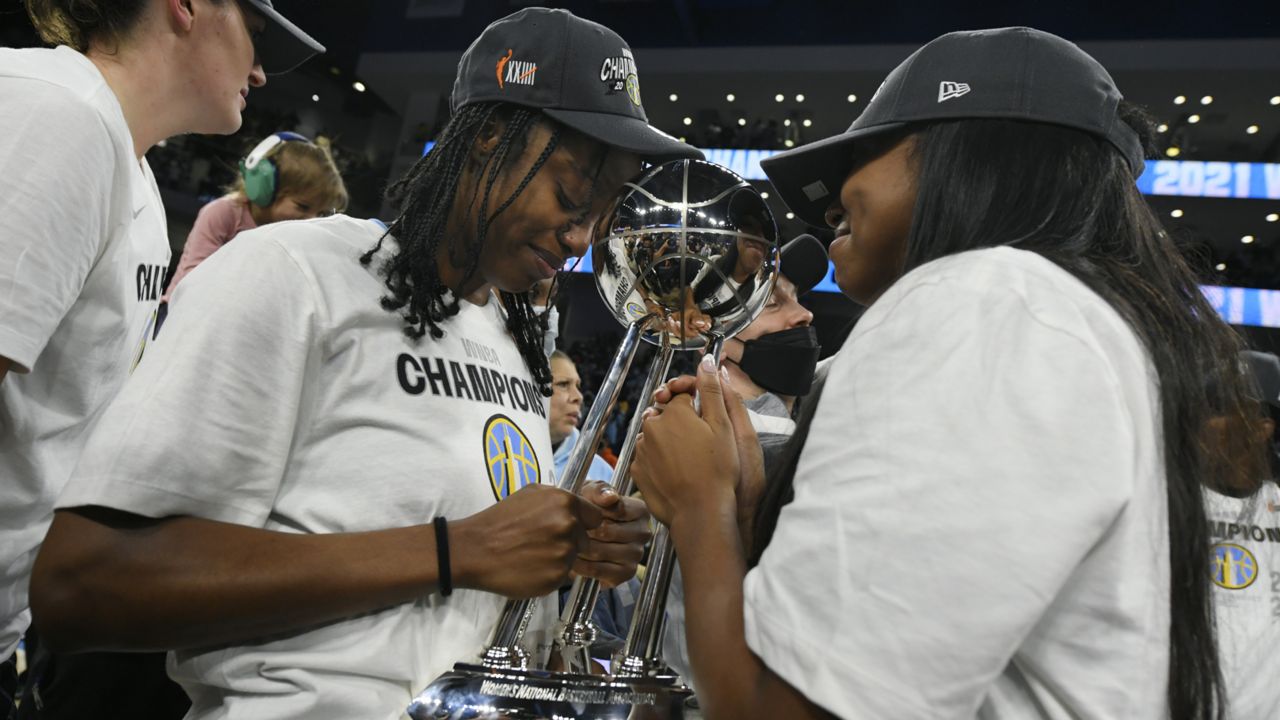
pixel 948 90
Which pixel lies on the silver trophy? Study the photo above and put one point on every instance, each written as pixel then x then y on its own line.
pixel 686 257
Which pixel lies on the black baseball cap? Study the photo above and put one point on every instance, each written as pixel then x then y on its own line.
pixel 1016 73
pixel 804 262
pixel 578 72
pixel 283 46
pixel 1264 368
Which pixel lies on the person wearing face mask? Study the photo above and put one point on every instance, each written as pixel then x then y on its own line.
pixel 771 364
pixel 773 361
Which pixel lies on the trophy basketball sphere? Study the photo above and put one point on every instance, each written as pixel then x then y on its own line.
pixel 692 244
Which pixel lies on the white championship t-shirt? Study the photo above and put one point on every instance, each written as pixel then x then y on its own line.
pixel 1245 569
pixel 281 395
pixel 83 252
pixel 979 526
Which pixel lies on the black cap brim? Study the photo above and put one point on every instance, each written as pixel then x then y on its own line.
pixel 804 262
pixel 283 45
pixel 808 179
pixel 627 133
pixel 1265 369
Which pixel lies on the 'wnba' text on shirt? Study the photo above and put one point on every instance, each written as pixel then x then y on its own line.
pixel 450 378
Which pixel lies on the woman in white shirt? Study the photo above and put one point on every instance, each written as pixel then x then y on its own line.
pixel 997 506
pixel 83 240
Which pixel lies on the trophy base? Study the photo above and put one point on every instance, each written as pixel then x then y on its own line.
pixel 474 692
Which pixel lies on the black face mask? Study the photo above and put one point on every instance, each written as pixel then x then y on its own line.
pixel 782 362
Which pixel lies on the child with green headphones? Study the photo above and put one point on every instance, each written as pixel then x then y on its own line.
pixel 285 177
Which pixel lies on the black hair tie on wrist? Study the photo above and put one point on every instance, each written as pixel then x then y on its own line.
pixel 442 556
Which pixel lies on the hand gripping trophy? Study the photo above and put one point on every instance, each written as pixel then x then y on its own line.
pixel 686 258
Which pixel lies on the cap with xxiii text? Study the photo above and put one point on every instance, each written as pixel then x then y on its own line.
pixel 578 72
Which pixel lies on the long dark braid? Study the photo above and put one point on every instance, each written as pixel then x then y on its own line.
pixel 426 195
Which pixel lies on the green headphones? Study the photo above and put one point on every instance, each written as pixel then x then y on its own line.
pixel 259 173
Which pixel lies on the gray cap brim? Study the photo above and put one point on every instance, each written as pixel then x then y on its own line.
pixel 808 178
pixel 283 45
pixel 627 133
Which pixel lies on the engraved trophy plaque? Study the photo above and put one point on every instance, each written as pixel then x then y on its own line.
pixel 686 257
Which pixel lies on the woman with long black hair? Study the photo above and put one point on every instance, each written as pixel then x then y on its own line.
pixel 995 508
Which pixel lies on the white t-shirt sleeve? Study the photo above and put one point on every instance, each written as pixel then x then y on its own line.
pixel 58 161
pixel 964 458
pixel 204 426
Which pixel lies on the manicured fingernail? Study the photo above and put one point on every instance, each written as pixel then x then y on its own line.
pixel 708 363
pixel 608 491
pixel 724 374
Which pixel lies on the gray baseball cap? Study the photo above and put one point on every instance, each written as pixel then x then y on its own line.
pixel 283 46
pixel 1016 73
pixel 578 72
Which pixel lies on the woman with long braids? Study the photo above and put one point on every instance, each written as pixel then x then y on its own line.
pixel 996 506
pixel 328 472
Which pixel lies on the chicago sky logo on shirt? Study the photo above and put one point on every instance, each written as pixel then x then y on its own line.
pixel 509 457
pixel 1232 566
